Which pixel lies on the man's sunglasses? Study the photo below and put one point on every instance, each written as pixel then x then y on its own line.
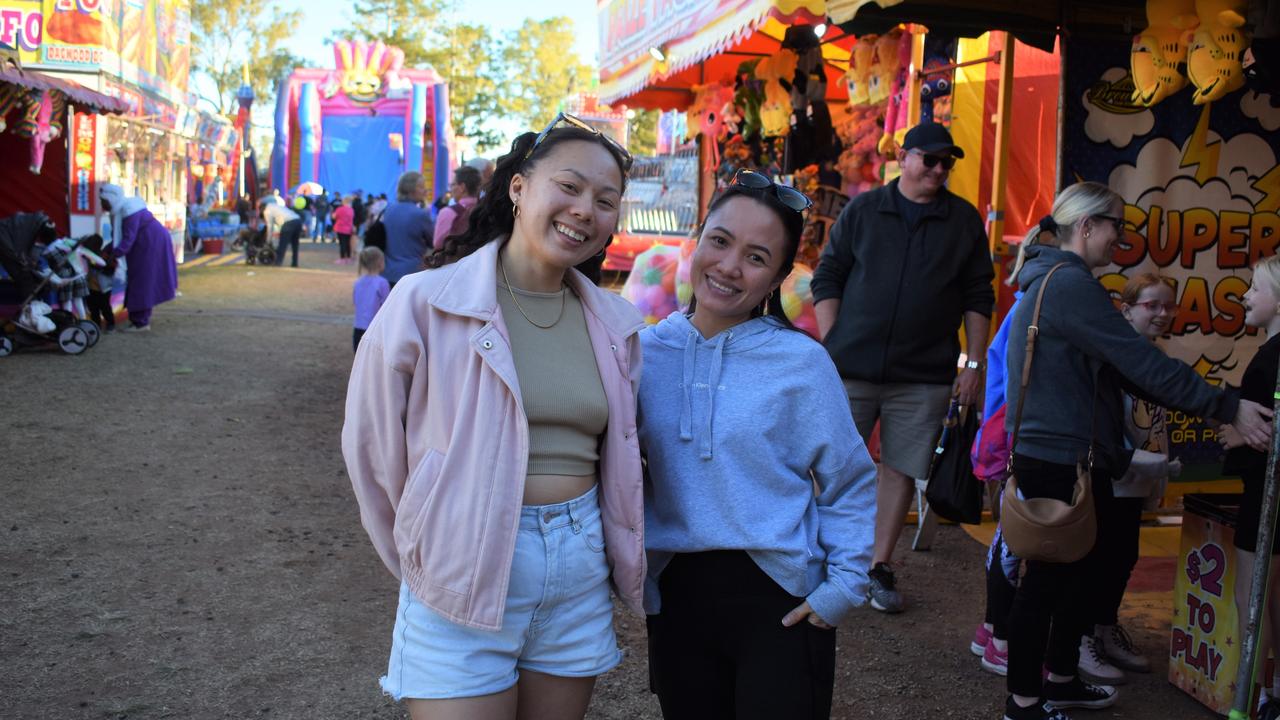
pixel 932 161
pixel 788 196
pixel 572 121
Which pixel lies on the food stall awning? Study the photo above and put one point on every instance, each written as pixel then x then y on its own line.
pixel 1035 23
pixel 77 95
pixel 699 41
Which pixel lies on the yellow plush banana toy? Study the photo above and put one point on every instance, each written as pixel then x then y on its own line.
pixel 1159 53
pixel 1215 49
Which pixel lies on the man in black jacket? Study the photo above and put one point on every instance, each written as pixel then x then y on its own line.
pixel 905 264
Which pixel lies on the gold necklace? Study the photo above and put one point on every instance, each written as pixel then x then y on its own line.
pixel 507 282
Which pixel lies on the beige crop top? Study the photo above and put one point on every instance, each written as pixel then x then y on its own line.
pixel 560 384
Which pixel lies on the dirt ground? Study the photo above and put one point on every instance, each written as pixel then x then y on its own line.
pixel 178 537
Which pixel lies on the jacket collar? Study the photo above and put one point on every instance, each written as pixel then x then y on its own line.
pixel 940 208
pixel 471 290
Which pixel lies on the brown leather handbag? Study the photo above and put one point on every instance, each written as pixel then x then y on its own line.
pixel 1046 529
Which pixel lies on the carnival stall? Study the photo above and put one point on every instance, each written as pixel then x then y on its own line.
pixel 369 106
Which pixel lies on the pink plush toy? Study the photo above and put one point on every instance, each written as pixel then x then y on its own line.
pixel 895 117
pixel 36 124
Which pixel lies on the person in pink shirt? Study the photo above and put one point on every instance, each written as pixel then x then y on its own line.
pixel 343 226
pixel 452 219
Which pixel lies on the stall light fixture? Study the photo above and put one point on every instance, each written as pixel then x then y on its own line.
pixel 820 29
pixel 658 53
pixel 154 131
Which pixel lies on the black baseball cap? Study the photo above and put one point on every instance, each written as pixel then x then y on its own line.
pixel 931 137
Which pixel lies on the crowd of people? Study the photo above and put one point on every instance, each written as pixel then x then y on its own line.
pixel 548 470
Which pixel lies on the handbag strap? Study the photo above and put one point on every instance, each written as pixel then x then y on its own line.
pixel 1033 330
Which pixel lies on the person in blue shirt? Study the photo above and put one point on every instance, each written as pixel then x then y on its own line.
pixel 409 228
pixel 760 495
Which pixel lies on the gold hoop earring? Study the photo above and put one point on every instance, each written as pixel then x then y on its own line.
pixel 515 210
pixel 1086 234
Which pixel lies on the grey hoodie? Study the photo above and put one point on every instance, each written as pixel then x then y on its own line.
pixel 1080 330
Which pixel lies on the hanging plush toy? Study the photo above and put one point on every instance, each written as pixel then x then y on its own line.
pixel 36 125
pixel 651 285
pixel 11 97
pixel 1215 50
pixel 895 116
pixel 813 140
pixel 1159 52
pixel 747 98
pixel 885 67
pixel 775 113
pixel 858 77
pixel 706 117
pixel 935 85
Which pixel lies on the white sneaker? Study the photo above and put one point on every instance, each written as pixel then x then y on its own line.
pixel 1094 667
pixel 1118 647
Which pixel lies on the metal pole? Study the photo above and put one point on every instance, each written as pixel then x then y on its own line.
pixel 1261 570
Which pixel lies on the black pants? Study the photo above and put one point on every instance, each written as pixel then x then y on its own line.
pixel 1000 593
pixel 356 334
pixel 1050 610
pixel 718 650
pixel 1115 554
pixel 290 233
pixel 344 245
pixel 99 306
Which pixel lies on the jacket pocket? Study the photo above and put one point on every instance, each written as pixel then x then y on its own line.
pixel 416 501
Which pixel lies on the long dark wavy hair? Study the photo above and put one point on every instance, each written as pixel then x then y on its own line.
pixel 492 216
pixel 793 227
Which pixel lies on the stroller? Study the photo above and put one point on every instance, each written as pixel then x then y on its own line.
pixel 37 325
pixel 256 249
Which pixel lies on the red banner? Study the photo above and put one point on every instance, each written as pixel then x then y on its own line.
pixel 84 165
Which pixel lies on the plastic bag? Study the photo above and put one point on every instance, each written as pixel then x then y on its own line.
pixel 953 491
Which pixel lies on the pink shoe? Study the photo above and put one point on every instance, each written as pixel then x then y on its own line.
pixel 995 661
pixel 981 637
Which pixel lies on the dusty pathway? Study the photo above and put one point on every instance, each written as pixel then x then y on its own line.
pixel 178 537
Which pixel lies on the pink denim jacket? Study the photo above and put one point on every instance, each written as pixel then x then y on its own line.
pixel 437 443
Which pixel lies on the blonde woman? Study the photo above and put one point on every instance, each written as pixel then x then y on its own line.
pixel 1080 332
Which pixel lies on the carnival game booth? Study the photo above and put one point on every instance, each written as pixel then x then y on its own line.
pixel 361 124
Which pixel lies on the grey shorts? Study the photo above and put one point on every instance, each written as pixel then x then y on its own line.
pixel 910 418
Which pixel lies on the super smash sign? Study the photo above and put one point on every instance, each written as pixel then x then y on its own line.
pixel 1202 191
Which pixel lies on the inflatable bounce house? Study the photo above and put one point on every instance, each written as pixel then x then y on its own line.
pixel 362 124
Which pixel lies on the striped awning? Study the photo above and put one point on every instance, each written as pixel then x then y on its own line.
pixel 684 33
pixel 77 95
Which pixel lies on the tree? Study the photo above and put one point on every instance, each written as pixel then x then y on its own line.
pixel 227 35
pixel 642 132
pixel 540 70
pixel 473 84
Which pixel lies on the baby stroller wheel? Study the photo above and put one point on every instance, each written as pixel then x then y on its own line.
pixel 6 346
pixel 266 256
pixel 73 340
pixel 91 330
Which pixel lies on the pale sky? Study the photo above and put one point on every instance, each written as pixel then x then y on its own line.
pixel 321 16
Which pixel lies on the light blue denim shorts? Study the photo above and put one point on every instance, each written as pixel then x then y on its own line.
pixel 558 618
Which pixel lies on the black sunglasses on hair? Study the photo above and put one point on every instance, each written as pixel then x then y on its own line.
pixel 931 161
pixel 788 196
pixel 572 121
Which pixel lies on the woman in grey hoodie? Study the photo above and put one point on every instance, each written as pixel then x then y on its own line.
pixel 759 496
pixel 1063 422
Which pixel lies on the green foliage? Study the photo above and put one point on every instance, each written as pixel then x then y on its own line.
pixel 226 35
pixel 540 70
pixel 642 132
pixel 418 27
pixel 473 84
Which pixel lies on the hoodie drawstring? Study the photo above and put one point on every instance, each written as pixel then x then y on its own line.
pixel 713 383
pixel 686 411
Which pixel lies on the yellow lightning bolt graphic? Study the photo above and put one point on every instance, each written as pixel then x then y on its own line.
pixel 1200 152
pixel 1269 186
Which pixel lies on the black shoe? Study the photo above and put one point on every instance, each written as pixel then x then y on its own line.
pixel 1012 711
pixel 882 590
pixel 1079 694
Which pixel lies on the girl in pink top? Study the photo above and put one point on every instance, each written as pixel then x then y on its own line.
pixel 504 605
pixel 343 225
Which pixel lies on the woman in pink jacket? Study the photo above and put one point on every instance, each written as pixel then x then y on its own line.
pixel 491 440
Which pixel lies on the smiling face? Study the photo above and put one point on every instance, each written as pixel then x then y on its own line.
pixel 738 261
pixel 919 182
pixel 568 203
pixel 1098 236
pixel 1153 311
pixel 1260 303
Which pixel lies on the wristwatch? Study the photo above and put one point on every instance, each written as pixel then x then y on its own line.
pixel 973 365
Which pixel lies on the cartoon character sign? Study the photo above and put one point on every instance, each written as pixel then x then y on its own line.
pixel 364 71
pixel 1159 51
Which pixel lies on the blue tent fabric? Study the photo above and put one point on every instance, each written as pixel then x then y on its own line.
pixel 357 155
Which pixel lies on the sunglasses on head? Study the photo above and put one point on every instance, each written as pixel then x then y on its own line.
pixel 790 197
pixel 932 161
pixel 571 121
